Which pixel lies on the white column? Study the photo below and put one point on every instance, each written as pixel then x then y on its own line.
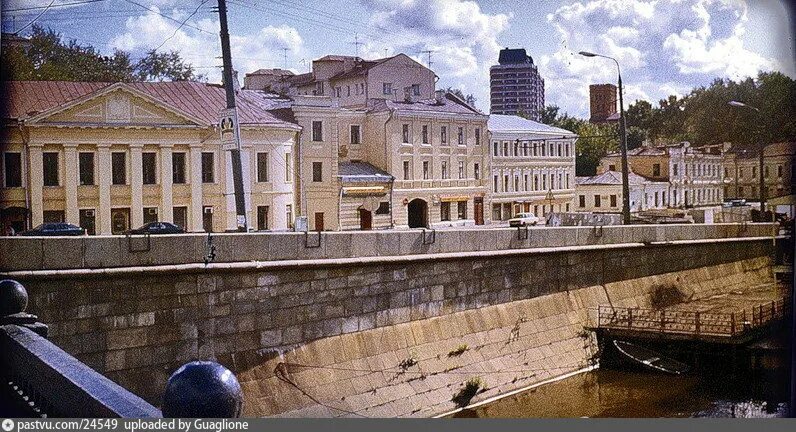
pixel 36 184
pixel 195 217
pixel 166 206
pixel 105 170
pixel 71 179
pixel 136 186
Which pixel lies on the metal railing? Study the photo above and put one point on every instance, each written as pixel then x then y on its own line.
pixel 695 323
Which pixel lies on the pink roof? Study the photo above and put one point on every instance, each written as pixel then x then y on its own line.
pixel 24 99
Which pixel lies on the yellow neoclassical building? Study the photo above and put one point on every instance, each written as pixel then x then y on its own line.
pixel 112 156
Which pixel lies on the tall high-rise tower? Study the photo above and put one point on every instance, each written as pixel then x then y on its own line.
pixel 516 87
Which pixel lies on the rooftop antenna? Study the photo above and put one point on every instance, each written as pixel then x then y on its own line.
pixel 284 55
pixel 428 63
pixel 357 43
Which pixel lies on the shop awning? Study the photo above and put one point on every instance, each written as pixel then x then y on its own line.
pixel 364 190
pixel 363 172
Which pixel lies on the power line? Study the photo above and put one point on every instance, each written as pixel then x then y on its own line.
pixel 34 19
pixel 182 24
pixel 51 5
pixel 155 11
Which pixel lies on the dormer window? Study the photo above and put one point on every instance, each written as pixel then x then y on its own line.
pixel 416 89
pixel 387 88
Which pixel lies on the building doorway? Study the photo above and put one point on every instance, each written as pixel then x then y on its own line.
pixel 478 209
pixel 207 218
pixel 120 220
pixel 319 221
pixel 418 213
pixel 365 219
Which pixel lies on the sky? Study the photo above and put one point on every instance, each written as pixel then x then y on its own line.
pixel 663 46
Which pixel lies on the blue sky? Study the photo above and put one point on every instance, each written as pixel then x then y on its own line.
pixel 664 46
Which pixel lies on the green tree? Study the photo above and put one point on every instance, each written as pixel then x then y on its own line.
pixel 50 59
pixel 469 98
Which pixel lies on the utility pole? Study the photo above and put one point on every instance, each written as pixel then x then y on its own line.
pixel 237 170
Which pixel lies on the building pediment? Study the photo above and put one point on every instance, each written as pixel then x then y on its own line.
pixel 117 105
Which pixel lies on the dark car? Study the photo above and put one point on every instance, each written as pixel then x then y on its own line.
pixel 158 228
pixel 55 229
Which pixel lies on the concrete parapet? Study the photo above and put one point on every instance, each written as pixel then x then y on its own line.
pixel 43 253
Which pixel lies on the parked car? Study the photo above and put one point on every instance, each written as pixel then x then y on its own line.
pixel 55 229
pixel 523 219
pixel 158 228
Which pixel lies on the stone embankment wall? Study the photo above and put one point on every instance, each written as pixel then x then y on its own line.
pixel 377 335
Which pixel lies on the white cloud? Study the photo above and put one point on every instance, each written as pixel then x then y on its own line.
pixel 663 46
pixel 203 48
pixel 462 37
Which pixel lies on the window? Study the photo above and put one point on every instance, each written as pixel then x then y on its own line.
pixel 477 171
pixel 384 208
pixel 478 136
pixel 505 148
pixel 12 168
pixel 656 170
pixel 426 172
pixel 178 168
pixel 525 181
pixel 180 216
pixel 119 168
pixel 405 133
pixel 337 91
pixel 416 89
pixel 262 167
pixel 317 172
pixel 150 214
pixel 754 171
pixel 461 169
pixel 355 134
pixel 613 199
pixel 289 215
pixel 582 201
pixel 461 136
pixel 462 210
pixel 148 167
pixel 779 171
pixel 611 167
pixel 288 168
pixel 406 170
pixel 505 183
pixel 262 218
pixel 516 182
pixel 596 200
pixel 348 90
pixel 445 211
pixel 317 130
pixel 443 134
pixel 50 166
pixel 495 147
pixel 386 88
pixel 766 171
pixel 444 169
pixel 424 134
pixel 495 183
pixel 86 161
pixel 207 168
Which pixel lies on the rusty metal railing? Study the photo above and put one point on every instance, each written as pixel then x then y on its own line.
pixel 695 323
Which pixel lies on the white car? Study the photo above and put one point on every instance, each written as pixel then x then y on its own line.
pixel 523 219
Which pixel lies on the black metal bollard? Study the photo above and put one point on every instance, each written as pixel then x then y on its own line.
pixel 202 389
pixel 13 302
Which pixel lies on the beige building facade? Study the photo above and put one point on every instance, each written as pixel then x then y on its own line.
pixel 742 165
pixel 532 167
pixel 694 175
pixel 111 157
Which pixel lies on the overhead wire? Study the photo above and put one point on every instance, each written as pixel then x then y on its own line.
pixel 34 19
pixel 181 24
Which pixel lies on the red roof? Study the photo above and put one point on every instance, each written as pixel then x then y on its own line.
pixel 24 99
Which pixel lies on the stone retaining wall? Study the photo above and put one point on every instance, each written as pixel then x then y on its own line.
pixel 139 326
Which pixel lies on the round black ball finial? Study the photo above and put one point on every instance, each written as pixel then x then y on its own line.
pixel 202 389
pixel 13 297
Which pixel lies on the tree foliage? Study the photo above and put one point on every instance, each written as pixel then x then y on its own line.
pixel 469 98
pixel 49 58
pixel 701 117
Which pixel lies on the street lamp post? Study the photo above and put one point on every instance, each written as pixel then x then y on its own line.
pixel 761 160
pixel 622 142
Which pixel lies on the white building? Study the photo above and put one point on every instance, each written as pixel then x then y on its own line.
pixel 602 193
pixel 532 167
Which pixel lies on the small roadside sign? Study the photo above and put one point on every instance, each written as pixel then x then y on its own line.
pixel 230 131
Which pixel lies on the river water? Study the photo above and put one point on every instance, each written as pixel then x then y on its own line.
pixel 718 392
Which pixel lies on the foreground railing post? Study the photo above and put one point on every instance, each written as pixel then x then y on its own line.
pixel 630 318
pixel 732 323
pixel 202 389
pixel 696 322
pixel 13 303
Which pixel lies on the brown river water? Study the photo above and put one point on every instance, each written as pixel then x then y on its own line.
pixel 630 392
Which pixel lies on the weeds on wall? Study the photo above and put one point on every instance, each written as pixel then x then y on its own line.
pixel 458 351
pixel 471 388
